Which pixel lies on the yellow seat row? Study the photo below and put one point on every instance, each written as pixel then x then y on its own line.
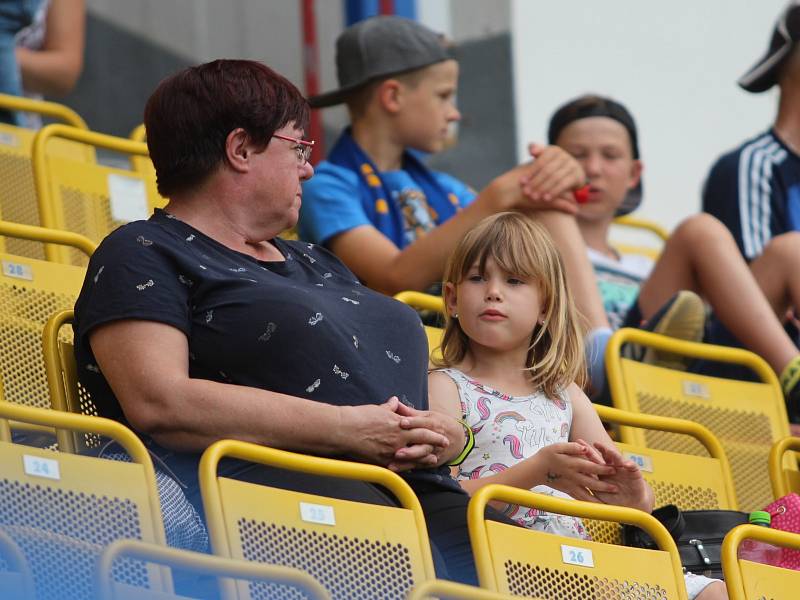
pixel 51 178
pixel 66 522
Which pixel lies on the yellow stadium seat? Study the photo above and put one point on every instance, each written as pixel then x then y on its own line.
pixel 449 590
pixel 354 549
pixel 16 578
pixel 632 222
pixel 426 302
pixel 747 580
pixel 62 509
pixel 746 417
pixel 421 301
pixel 18 198
pixel 784 480
pixel 66 392
pixel 264 581
pixel 523 562
pixel 89 199
pixel 30 291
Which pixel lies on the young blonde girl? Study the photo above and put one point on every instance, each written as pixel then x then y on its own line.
pixel 511 368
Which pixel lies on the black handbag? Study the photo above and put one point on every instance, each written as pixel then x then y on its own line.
pixel 698 534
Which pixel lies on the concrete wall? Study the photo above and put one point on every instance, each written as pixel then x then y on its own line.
pixel 133 44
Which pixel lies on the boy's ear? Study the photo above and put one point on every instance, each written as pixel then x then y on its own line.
pixel 389 95
pixel 238 150
pixel 636 173
pixel 450 299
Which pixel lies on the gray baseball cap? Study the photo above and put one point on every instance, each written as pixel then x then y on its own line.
pixel 764 74
pixel 380 47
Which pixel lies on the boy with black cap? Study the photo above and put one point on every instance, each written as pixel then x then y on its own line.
pixel 755 189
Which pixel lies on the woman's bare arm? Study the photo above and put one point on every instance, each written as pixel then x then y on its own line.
pixel 147 365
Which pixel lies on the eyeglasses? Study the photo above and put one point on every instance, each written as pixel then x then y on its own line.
pixel 303 148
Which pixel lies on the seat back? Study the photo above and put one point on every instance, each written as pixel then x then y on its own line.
pixel 16 578
pixel 90 199
pixel 531 563
pixel 143 165
pixel 268 581
pixel 747 580
pixel 354 549
pixel 66 392
pixel 30 291
pixel 746 417
pixel 62 509
pixel 785 479
pixel 426 302
pixel 652 228
pixel 442 589
pixel 18 199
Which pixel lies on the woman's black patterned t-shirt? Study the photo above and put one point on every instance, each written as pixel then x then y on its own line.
pixel 304 327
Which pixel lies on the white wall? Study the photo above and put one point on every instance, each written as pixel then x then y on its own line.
pixel 673 64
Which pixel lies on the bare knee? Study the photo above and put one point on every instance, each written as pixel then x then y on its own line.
pixel 713 591
pixel 701 228
pixel 784 248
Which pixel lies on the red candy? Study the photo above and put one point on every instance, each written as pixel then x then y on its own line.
pixel 581 195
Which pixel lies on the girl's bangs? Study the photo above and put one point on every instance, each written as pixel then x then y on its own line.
pixel 512 248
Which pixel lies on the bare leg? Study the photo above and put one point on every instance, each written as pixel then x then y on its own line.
pixel 580 273
pixel 702 256
pixel 777 273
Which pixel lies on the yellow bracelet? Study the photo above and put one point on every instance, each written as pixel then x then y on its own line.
pixel 467 447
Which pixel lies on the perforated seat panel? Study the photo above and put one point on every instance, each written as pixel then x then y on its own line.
pixel 25 306
pixel 62 524
pixel 369 554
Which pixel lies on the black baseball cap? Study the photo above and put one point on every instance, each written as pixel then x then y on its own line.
pixel 764 74
pixel 380 47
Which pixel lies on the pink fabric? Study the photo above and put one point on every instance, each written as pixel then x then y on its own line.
pixel 786 517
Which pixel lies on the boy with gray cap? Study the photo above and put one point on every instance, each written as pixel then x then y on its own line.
pixel 755 189
pixel 373 202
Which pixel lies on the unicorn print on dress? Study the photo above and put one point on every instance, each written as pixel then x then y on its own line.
pixel 144 241
pixel 313 386
pixel 145 285
pixel 314 319
pixel 99 271
pixel 518 427
pixel 393 357
pixel 190 238
pixel 339 372
pixel 185 281
pixel 350 300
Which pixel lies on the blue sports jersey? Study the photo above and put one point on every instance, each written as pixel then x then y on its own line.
pixel 755 191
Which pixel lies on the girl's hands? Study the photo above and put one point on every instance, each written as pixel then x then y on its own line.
pixel 575 469
pixel 631 488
